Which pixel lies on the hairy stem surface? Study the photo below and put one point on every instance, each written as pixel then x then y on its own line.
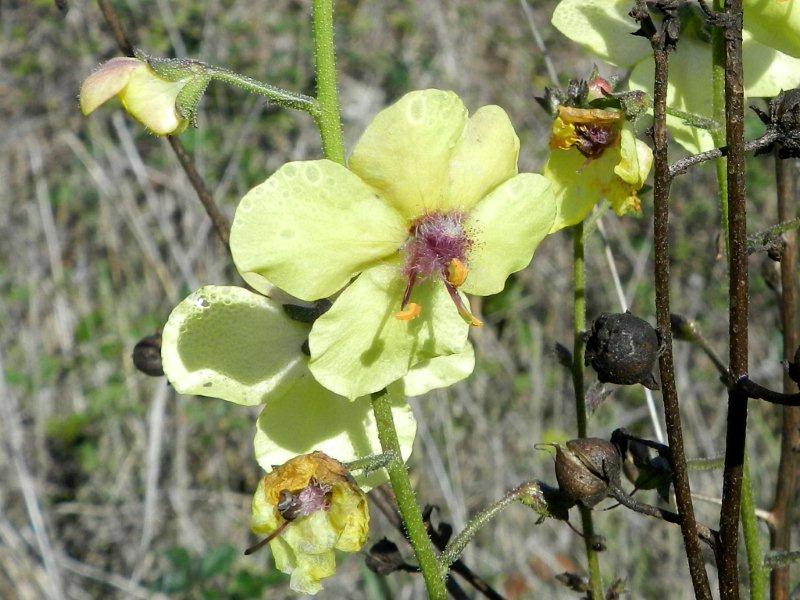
pixel 328 119
pixel 406 499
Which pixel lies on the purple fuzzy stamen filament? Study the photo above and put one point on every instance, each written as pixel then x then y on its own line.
pixel 435 240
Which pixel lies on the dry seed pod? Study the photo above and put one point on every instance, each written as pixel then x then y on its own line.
pixel 584 467
pixel 622 349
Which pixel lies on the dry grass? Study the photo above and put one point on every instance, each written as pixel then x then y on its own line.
pixel 105 469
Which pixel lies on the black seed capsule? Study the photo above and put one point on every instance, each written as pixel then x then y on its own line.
pixel 147 355
pixel 622 349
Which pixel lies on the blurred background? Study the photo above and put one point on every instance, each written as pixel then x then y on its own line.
pixel 113 486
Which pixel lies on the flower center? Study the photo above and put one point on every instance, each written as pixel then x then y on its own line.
pixel 312 498
pixel 591 131
pixel 437 247
pixel 594 138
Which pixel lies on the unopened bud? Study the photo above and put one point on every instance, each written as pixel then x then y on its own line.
pixel 162 94
pixel 684 329
pixel 598 88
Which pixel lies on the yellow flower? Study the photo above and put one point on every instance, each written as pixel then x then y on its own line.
pixel 429 207
pixel 148 98
pixel 594 156
pixel 309 507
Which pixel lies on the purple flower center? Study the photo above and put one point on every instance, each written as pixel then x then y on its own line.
pixel 434 241
pixel 437 247
pixel 312 498
pixel 594 138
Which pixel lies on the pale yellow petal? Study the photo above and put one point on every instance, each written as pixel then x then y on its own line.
pixel 484 157
pixel 405 151
pixel 311 227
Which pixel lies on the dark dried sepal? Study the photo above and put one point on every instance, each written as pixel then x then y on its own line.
pixel 793 368
pixel 147 355
pixel 783 119
pixel 552 99
pixel 616 589
pixel 307 314
pixel 573 581
pixel 384 557
pixel 563 355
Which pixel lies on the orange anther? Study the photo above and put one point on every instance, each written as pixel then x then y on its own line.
pixel 409 313
pixel 456 272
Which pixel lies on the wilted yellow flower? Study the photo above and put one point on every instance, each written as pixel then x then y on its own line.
pixel 594 156
pixel 309 507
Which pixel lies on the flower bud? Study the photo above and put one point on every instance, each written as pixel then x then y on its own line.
pixel 598 88
pixel 585 467
pixel 622 349
pixel 309 507
pixel 159 103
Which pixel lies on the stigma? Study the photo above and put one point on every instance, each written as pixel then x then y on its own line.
pixel 436 249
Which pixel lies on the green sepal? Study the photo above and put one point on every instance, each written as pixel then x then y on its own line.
pixel 173 69
pixel 189 98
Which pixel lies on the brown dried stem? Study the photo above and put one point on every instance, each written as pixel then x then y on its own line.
pixel 735 439
pixel 661 191
pixel 703 532
pixel 684 164
pixel 786 484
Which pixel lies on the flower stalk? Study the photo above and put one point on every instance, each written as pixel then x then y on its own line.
pixel 328 118
pixel 329 122
pixel 455 548
pixel 406 499
pixel 578 346
pixel 272 93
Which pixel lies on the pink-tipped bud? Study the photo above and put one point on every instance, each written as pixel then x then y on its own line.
pixel 598 88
